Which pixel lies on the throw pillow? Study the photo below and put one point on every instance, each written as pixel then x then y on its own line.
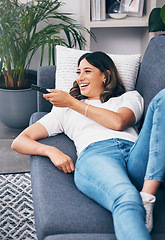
pixel 66 67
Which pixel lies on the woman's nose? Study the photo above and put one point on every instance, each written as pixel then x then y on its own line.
pixel 80 77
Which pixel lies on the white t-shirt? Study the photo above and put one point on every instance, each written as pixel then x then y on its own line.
pixel 84 131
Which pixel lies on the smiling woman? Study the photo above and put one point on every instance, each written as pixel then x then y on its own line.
pixel 97 65
pixel 86 80
pixel 110 153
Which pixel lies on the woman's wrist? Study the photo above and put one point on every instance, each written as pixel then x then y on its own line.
pixel 72 102
pixel 48 150
pixel 79 106
pixel 86 110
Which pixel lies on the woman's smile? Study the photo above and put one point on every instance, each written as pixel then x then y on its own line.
pixel 83 86
pixel 90 80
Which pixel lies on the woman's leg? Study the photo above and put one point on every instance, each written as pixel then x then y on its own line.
pixel 150 186
pixel 146 164
pixel 101 174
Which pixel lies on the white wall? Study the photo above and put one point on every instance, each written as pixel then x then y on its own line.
pixel 160 3
pixel 108 40
pixel 117 40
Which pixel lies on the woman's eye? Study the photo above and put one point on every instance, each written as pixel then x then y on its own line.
pixel 87 71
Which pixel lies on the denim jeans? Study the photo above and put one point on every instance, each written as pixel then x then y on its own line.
pixel 112 172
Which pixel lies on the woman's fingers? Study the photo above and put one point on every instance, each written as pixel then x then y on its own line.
pixel 68 166
pixel 63 163
pixel 58 98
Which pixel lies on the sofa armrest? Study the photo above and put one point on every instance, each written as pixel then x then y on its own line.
pixel 45 78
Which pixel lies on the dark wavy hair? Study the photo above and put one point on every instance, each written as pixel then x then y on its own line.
pixel 113 85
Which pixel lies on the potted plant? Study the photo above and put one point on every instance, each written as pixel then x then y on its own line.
pixel 21 35
pixel 157 20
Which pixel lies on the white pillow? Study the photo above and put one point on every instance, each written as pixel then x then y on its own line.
pixel 66 63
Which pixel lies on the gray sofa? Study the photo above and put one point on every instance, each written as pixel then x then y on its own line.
pixel 61 211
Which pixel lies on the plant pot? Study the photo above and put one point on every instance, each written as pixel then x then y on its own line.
pixel 16 107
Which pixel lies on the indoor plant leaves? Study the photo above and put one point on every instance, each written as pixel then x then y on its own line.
pixel 157 20
pixel 21 35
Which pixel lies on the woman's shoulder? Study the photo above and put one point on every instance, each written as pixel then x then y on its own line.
pixel 131 95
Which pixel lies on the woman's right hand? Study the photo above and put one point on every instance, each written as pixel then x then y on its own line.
pixel 59 98
pixel 26 143
pixel 62 161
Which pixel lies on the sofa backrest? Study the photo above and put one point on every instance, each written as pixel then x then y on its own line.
pixel 45 78
pixel 151 77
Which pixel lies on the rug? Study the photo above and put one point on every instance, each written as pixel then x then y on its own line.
pixel 16 207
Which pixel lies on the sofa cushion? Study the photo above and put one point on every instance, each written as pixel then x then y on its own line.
pixel 61 211
pixel 66 63
pixel 151 78
pixel 82 236
pixel 95 237
pixel 58 206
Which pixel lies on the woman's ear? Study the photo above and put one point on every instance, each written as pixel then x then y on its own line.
pixel 106 75
pixel 104 78
pixel 109 73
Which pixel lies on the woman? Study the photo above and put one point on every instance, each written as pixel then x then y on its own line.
pixel 113 164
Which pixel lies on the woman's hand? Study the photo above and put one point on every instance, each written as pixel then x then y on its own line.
pixel 62 161
pixel 59 98
pixel 26 143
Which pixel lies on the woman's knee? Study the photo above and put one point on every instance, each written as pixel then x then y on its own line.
pixel 161 95
pixel 158 101
pixel 128 198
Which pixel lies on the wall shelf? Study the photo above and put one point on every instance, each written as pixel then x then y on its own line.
pixel 114 24
pixel 126 22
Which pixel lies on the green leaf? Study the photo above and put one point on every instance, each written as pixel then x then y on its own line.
pixel 1 65
pixel 162 14
pixel 42 50
pixel 49 51
pixel 21 34
pixel 67 33
pixel 155 21
pixel 53 51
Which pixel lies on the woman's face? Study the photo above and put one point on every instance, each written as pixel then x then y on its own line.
pixel 90 80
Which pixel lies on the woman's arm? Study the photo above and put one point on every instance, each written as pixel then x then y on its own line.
pixel 118 121
pixel 26 143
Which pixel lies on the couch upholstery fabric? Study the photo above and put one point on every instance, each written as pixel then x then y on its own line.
pixel 61 211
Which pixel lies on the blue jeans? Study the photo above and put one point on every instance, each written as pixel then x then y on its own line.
pixel 112 172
